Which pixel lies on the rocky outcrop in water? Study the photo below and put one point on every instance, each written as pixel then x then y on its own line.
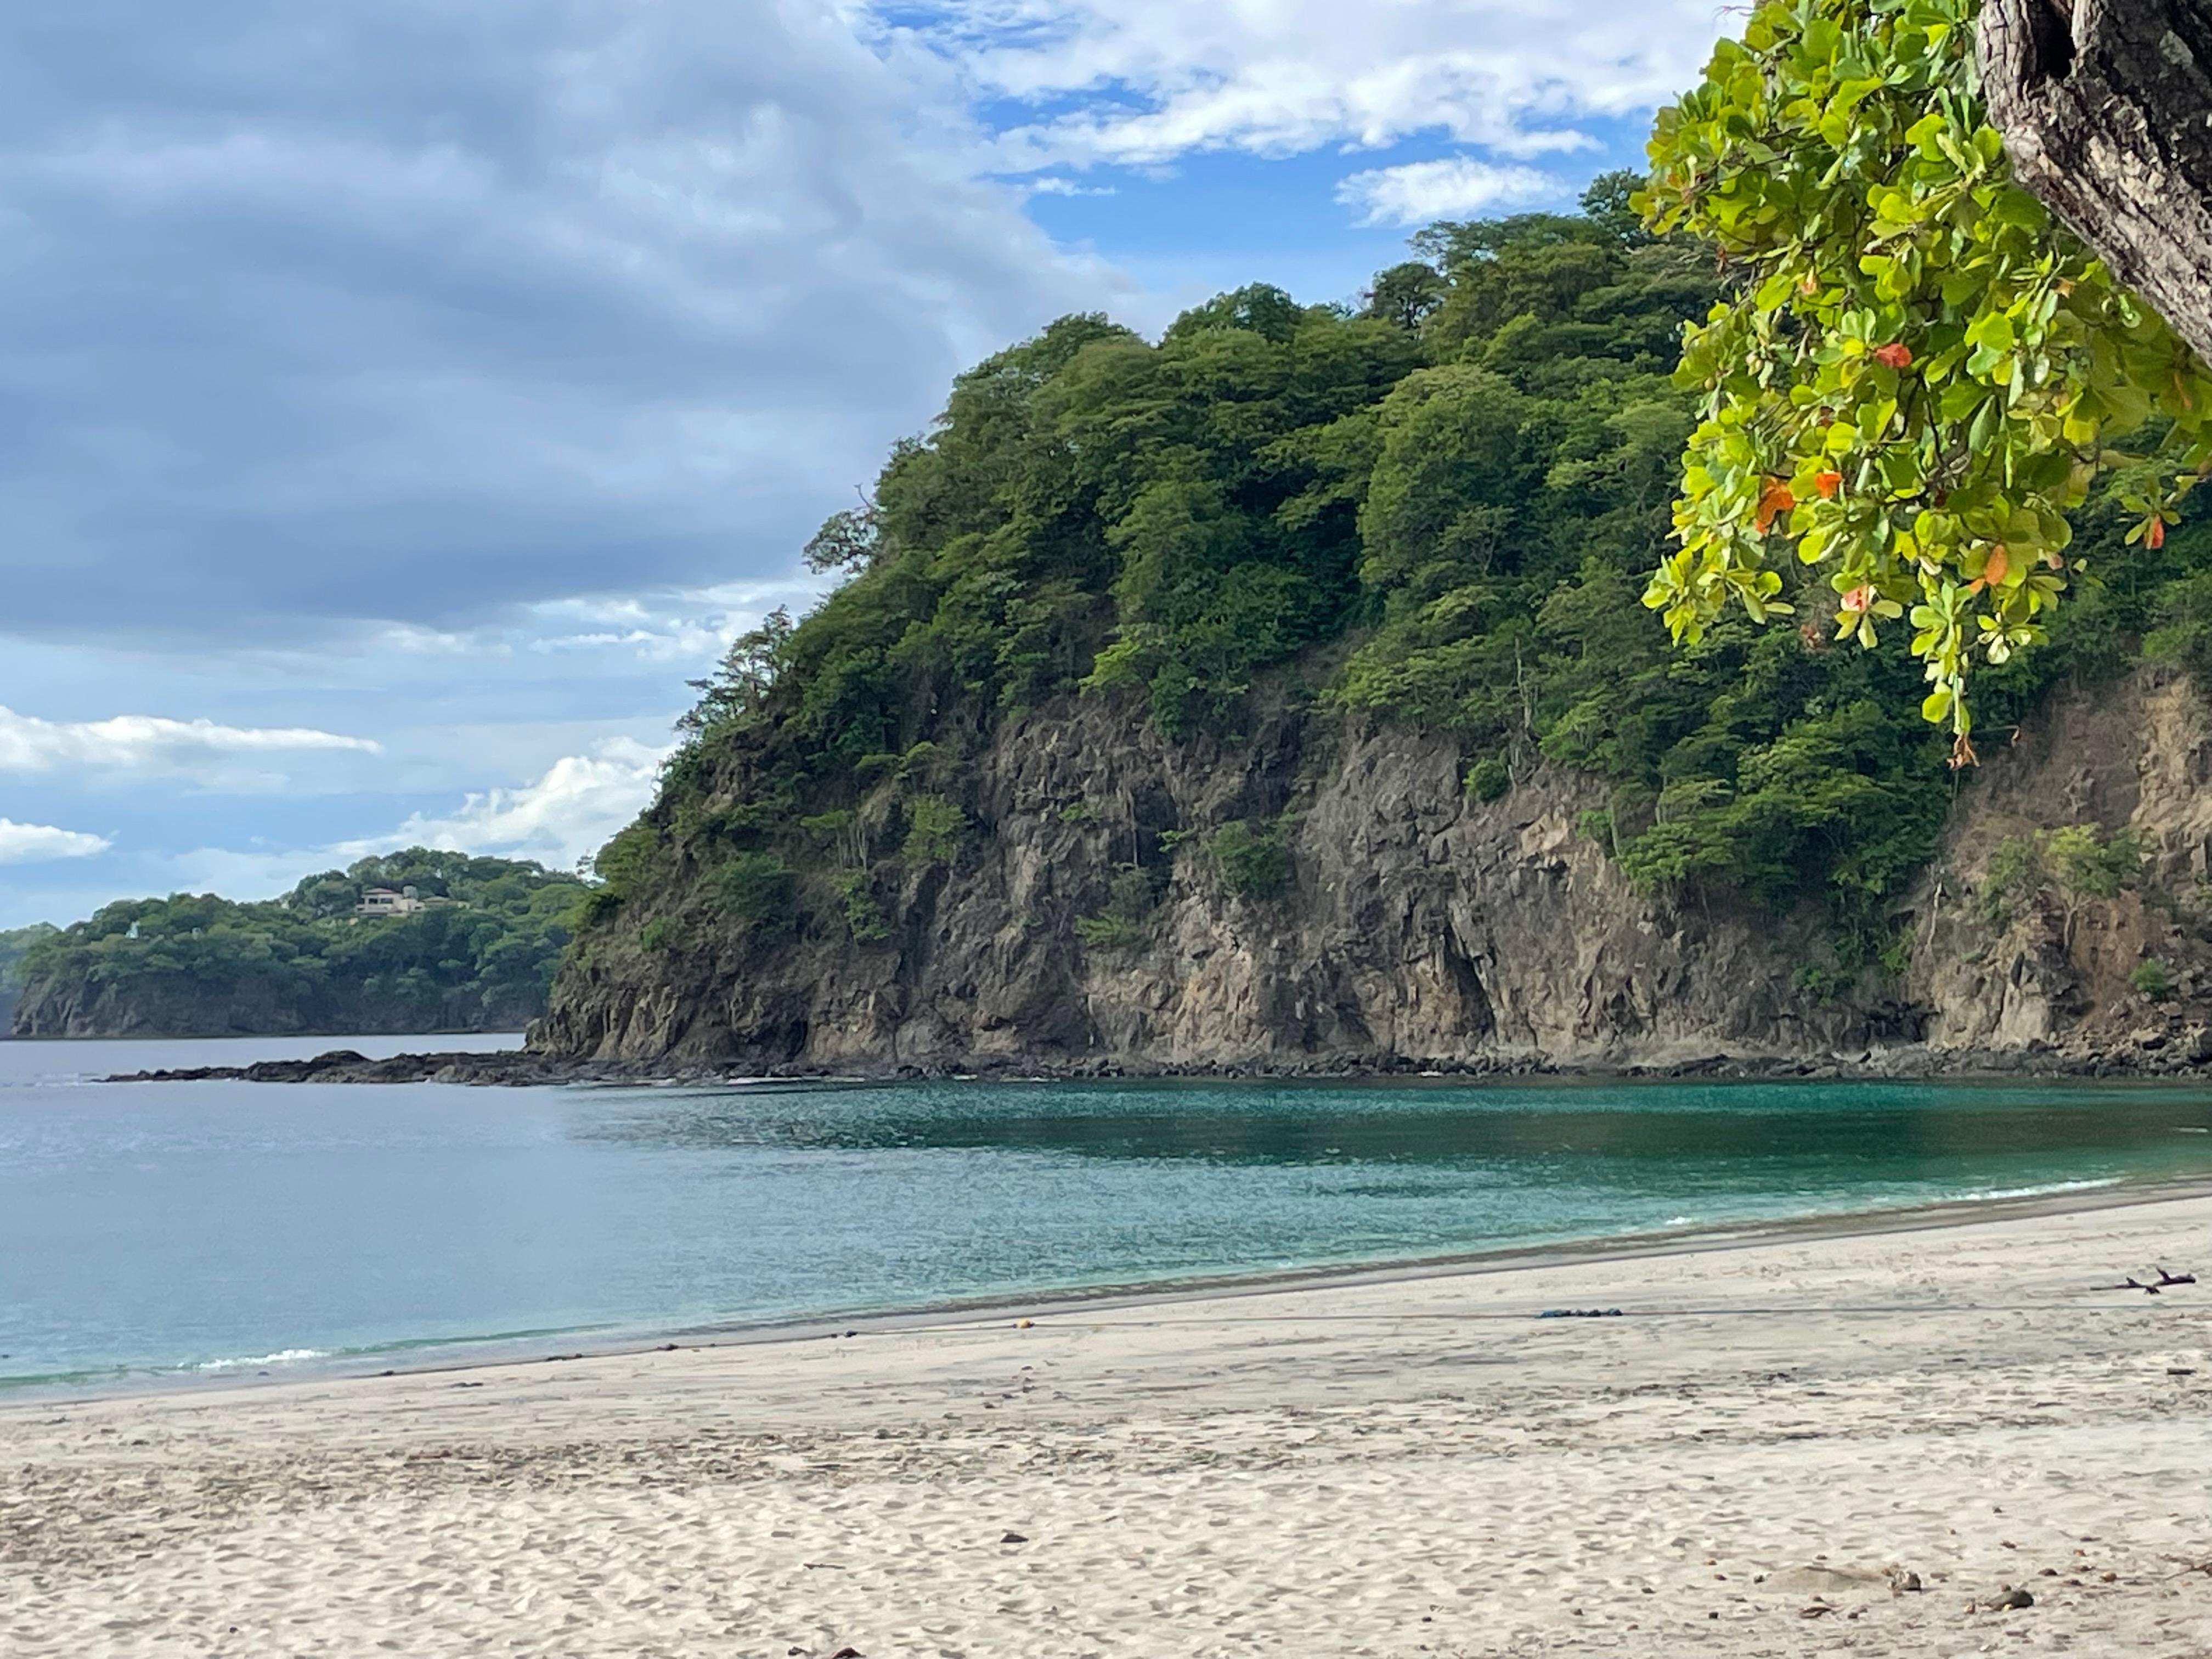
pixel 349 1066
pixel 1425 930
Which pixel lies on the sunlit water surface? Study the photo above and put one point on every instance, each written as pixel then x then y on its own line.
pixel 177 1232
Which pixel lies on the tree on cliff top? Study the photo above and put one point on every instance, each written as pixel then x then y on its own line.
pixel 1916 375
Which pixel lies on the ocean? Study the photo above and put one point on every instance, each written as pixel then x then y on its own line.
pixel 169 1234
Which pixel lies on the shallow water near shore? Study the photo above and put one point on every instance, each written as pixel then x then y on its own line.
pixel 170 1233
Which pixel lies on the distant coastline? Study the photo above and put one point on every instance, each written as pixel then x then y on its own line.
pixel 408 943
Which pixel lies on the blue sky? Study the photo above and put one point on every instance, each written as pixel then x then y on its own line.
pixel 400 401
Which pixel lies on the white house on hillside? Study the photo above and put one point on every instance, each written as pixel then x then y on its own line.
pixel 385 902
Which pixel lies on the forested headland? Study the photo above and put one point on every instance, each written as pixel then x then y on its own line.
pixel 1433 513
pixel 478 954
pixel 1439 509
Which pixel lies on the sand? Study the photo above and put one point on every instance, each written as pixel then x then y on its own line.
pixel 1735 1466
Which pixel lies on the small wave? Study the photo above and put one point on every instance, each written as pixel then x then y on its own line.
pixel 282 1357
pixel 1988 1194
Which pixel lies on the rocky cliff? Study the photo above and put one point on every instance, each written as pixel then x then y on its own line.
pixel 1423 929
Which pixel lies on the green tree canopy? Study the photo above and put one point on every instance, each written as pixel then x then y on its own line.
pixel 15 943
pixel 482 957
pixel 1440 509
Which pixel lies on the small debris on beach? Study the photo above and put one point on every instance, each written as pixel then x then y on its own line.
pixel 2166 1281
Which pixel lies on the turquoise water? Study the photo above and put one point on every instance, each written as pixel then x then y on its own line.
pixel 202 1231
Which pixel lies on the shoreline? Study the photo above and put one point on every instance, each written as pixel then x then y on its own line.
pixel 464 1355
pixel 1916 1443
pixel 2157 1058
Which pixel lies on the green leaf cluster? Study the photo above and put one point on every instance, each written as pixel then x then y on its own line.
pixel 935 827
pixel 758 890
pixel 1915 377
pixel 1125 923
pixel 1489 778
pixel 2075 862
pixel 1253 865
pixel 2153 979
pixel 863 917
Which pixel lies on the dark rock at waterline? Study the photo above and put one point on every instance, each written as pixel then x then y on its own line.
pixel 346 1066
pixel 526 1068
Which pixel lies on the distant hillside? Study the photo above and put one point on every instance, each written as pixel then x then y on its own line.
pixel 473 950
pixel 13 945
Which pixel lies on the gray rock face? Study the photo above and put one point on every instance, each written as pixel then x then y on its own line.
pixel 185 1007
pixel 1426 930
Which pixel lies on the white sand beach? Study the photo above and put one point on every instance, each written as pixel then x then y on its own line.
pixel 1735 1466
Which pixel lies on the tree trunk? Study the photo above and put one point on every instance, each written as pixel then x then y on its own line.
pixel 2106 109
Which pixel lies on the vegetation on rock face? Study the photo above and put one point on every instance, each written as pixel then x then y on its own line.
pixel 1253 865
pixel 2073 864
pixel 1125 923
pixel 14 943
pixel 1915 377
pixel 1440 510
pixel 483 959
pixel 2152 978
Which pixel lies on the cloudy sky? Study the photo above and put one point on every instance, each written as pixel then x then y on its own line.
pixel 401 399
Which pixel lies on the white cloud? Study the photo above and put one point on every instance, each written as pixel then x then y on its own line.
pixel 566 812
pixel 34 843
pixel 1141 83
pixel 1458 188
pixel 570 810
pixel 670 626
pixel 146 742
pixel 1054 185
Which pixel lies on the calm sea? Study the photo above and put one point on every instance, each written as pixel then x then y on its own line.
pixel 181 1231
